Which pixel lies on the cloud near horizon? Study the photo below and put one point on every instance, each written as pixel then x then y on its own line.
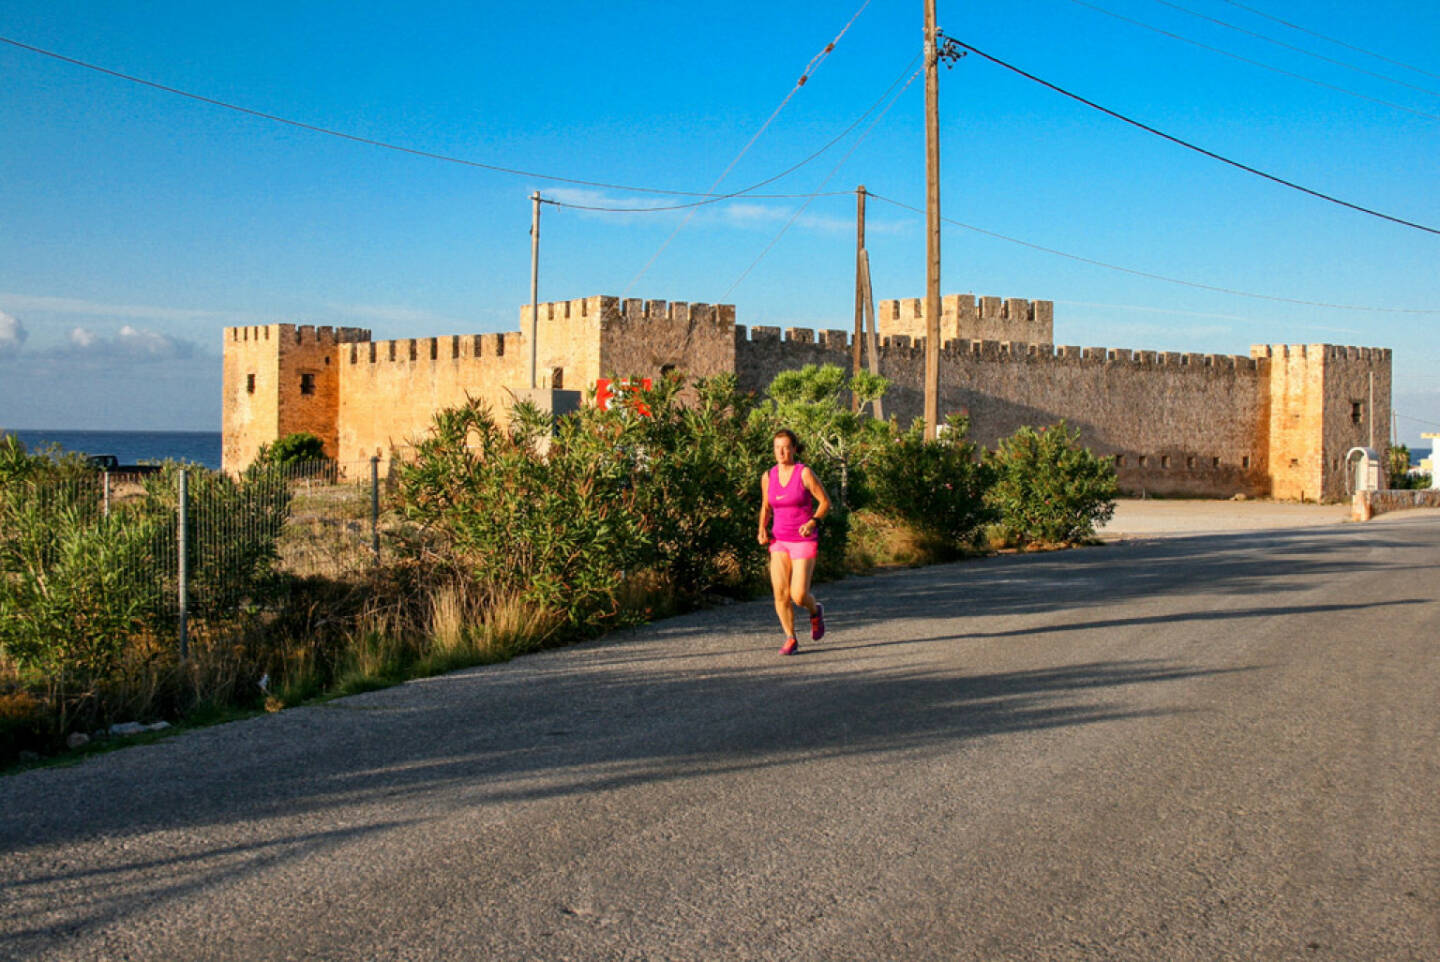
pixel 129 343
pixel 12 335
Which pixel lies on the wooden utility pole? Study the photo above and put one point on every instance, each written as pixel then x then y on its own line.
pixel 859 289
pixel 870 346
pixel 932 225
pixel 534 286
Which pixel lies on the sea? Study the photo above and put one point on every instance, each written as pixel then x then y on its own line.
pixel 132 447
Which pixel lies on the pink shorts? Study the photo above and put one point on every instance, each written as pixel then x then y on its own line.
pixel 797 550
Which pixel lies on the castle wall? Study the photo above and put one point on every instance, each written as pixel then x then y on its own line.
pixel 390 390
pixel 1175 423
pixel 963 318
pixel 1278 422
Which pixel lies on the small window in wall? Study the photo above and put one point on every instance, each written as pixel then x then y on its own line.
pixel 1119 460
pixel 1190 461
pixel 1214 462
pixel 1294 462
pixel 249 384
pixel 307 384
pixel 1357 412
pixel 1143 460
pixel 1245 461
pixel 1164 460
pixel 557 378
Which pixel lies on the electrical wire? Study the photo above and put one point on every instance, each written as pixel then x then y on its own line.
pixel 805 75
pixel 796 216
pixel 1189 146
pixel 1157 277
pixel 747 192
pixel 1338 43
pixel 1290 46
pixel 1254 63
pixel 353 138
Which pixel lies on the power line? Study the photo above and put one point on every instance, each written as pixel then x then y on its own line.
pixel 1254 63
pixel 805 75
pixel 796 216
pixel 1159 277
pixel 1189 146
pixel 748 191
pixel 370 142
pixel 1290 46
pixel 1338 43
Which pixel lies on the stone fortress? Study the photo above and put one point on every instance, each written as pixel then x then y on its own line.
pixel 1279 422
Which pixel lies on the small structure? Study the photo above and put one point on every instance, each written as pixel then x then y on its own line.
pixel 1363 469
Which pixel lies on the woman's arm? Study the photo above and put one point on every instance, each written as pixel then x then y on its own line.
pixel 764 535
pixel 822 500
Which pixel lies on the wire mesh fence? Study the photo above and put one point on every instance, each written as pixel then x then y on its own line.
pixel 184 544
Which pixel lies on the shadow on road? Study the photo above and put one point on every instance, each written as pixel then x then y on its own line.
pixel 619 713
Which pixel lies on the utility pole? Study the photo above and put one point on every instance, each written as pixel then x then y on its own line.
pixel 859 289
pixel 932 224
pixel 534 286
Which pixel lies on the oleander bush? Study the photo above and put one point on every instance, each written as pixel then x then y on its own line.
pixel 1048 488
pixel 937 487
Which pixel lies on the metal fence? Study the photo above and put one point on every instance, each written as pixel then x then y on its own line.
pixel 198 544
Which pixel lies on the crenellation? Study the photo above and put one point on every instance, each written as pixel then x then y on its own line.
pixel 799 335
pixel 1018 309
pixel 1095 354
pixel 1147 358
pixel 765 334
pixel 991 308
pixel 835 339
pixel 1121 355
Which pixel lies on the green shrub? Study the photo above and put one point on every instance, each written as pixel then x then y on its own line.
pixel 1048 488
pixel 301 447
pixel 938 486
pixel 555 528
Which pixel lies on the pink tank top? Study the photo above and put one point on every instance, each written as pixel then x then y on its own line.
pixel 792 506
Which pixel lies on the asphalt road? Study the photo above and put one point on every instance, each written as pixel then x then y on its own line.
pixel 1217 747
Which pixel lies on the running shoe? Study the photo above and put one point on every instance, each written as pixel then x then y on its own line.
pixel 790 647
pixel 817 622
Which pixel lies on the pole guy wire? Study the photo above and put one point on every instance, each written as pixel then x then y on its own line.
pixel 1197 149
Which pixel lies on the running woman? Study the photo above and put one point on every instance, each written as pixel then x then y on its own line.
pixel 793 497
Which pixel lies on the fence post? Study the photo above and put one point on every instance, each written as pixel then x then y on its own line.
pixel 105 478
pixel 375 507
pixel 183 568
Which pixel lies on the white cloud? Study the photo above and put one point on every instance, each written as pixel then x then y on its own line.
pixel 12 335
pixel 129 343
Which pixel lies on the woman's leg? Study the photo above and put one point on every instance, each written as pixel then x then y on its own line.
pixel 801 571
pixel 780 579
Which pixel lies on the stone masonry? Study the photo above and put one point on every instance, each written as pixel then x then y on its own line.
pixel 1278 422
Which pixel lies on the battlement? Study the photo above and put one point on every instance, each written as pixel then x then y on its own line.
pixel 608 309
pixel 323 336
pixel 898 346
pixel 450 347
pixel 1328 352
pixel 965 317
pixel 967 306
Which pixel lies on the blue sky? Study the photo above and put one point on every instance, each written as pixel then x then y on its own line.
pixel 135 224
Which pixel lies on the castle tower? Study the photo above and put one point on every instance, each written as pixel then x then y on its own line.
pixel 1324 400
pixel 963 318
pixel 280 379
